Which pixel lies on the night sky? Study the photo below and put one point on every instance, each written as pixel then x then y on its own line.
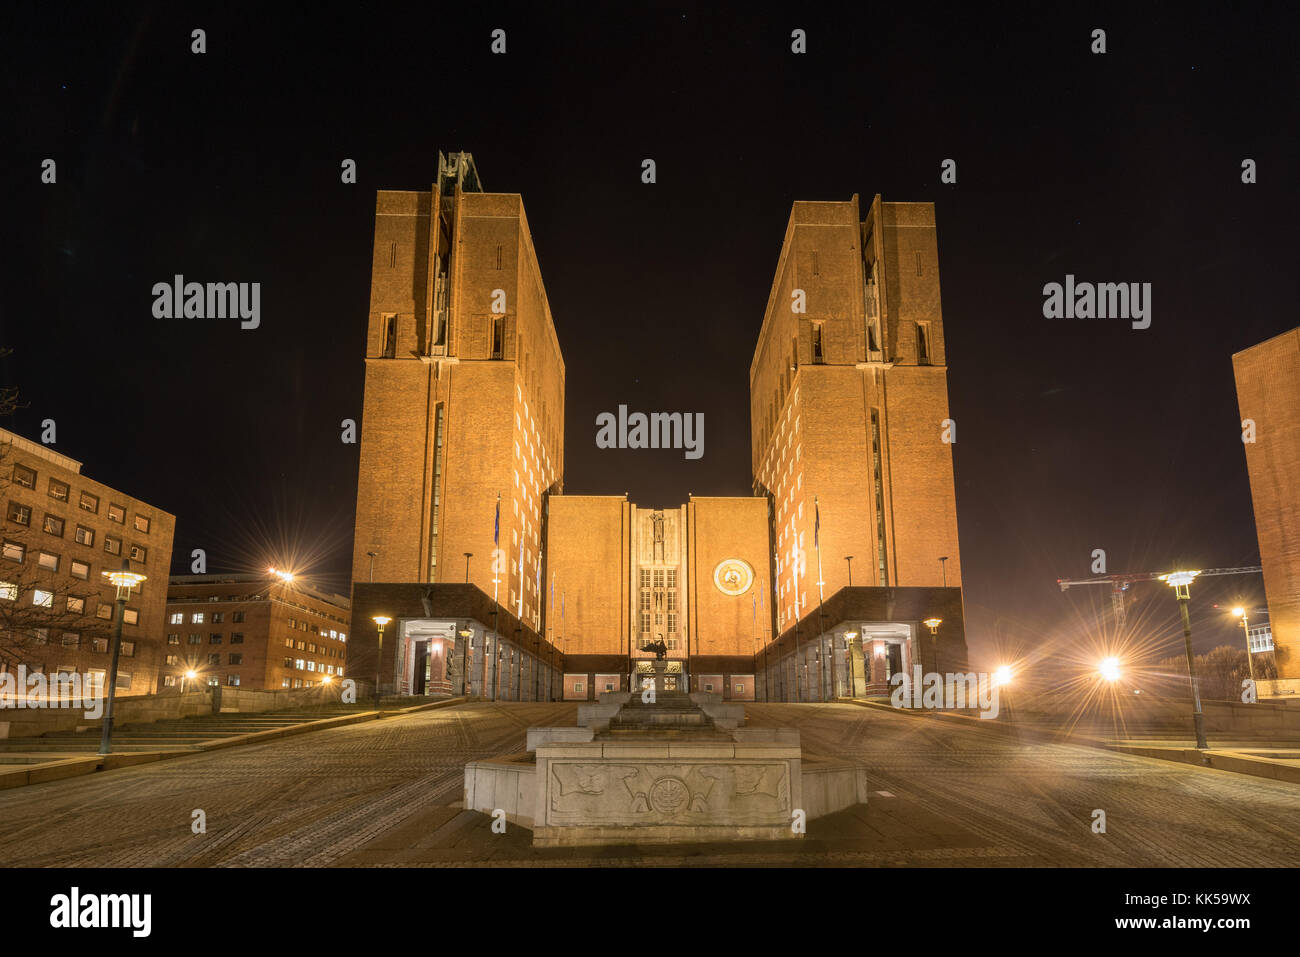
pixel 1072 434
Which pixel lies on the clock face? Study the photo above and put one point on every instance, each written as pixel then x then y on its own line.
pixel 733 576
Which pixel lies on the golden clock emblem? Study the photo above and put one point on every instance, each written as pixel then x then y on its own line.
pixel 733 576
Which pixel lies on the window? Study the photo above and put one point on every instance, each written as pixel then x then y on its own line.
pixel 302 646
pixel 85 536
pixel 873 335
pixel 49 561
pixel 138 554
pixel 41 636
pixel 214 638
pixel 8 591
pixel 578 687
pixel 817 355
pixel 123 681
pixel 288 642
pixel 90 503
pixel 311 665
pixel 390 337
pixel 20 514
pixel 169 681
pixel 288 662
pixel 171 660
pixel 80 570
pixel 176 618
pixel 142 524
pixel 131 616
pixel 53 525
pixel 297 682
pixel 128 649
pixel 299 664
pixel 71 639
pixel 43 598
pixel 76 606
pixel 214 659
pixel 708 686
pixel 498 335
pixel 117 513
pixel 232 680
pixel 15 551
pixel 740 689
pixel 237 616
pixel 195 638
pixel 173 639
pixel 24 476
pixel 58 490
pixel 922 341
pixel 99 645
pixel 236 659
pixel 218 617
pixel 112 545
pixel 284 682
pixel 104 611
pixel 236 637
pixel 196 618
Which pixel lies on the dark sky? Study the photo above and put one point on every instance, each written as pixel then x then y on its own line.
pixel 1072 435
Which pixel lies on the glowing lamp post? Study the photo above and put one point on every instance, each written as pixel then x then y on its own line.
pixel 933 624
pixel 1181 583
pixel 1245 626
pixel 189 675
pixel 1110 669
pixel 124 581
pixel 380 621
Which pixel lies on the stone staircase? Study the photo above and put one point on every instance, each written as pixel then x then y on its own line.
pixel 177 734
pixel 671 715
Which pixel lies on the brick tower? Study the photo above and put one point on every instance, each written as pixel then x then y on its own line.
pixel 464 393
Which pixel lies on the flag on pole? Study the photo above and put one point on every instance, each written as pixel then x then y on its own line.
pixel 496 523
pixel 817 524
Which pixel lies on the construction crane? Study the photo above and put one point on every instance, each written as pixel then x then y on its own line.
pixel 1120 583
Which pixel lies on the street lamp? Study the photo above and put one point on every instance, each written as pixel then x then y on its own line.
pixel 124 581
pixel 189 675
pixel 468 635
pixel 1110 669
pixel 933 624
pixel 1181 583
pixel 380 621
pixel 1002 676
pixel 1245 626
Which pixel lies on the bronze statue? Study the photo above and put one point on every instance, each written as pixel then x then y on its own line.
pixel 658 647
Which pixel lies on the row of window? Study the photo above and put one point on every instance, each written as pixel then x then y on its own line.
pixel 306 664
pixel 76 605
pixel 60 491
pixel 314 648
pixel 72 639
pixel 17 551
pixel 199 618
pixel 196 638
pixel 95 676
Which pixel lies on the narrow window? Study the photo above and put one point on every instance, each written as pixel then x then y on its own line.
pixel 392 255
pixel 390 337
pixel 817 356
pixel 498 336
pixel 923 343
pixel 498 256
pixel 873 335
pixel 918 263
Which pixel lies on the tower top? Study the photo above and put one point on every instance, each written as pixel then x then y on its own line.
pixel 457 169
